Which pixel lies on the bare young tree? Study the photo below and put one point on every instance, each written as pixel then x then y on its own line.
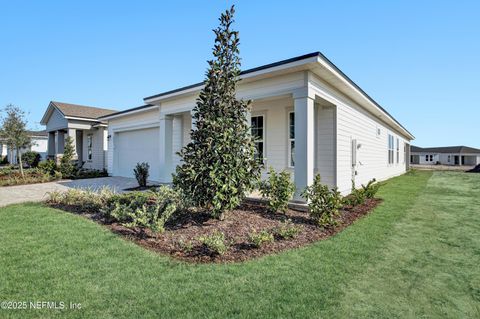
pixel 14 131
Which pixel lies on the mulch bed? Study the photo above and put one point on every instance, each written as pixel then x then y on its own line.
pixel 237 226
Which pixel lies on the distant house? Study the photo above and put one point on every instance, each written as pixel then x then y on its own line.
pixel 82 124
pixel 450 155
pixel 39 145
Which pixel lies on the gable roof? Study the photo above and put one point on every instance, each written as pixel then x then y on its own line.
pixel 37 133
pixel 77 111
pixel 446 149
pixel 316 57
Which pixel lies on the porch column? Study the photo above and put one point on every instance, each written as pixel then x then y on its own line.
pixel 59 142
pixel 72 133
pixel 51 144
pixel 304 108
pixel 165 148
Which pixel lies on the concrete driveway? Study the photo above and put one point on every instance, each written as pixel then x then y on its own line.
pixel 36 192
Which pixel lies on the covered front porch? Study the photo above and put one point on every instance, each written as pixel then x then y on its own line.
pixel 293 131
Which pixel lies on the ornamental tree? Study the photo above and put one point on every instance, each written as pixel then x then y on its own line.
pixel 218 165
pixel 14 131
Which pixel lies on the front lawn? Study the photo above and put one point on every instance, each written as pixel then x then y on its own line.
pixel 415 255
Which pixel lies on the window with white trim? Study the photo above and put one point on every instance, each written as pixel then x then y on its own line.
pixel 391 149
pixel 258 131
pixel 398 150
pixel 291 139
pixel 89 147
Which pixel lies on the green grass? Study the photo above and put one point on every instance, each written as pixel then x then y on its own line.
pixel 417 255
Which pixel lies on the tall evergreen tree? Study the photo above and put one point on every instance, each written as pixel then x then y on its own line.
pixel 218 166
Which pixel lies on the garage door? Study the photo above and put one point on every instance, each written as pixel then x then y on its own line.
pixel 132 147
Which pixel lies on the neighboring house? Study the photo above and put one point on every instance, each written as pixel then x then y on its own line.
pixel 3 151
pixel 82 123
pixel 39 145
pixel 310 119
pixel 450 155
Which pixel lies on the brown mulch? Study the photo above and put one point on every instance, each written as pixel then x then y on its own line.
pixel 238 224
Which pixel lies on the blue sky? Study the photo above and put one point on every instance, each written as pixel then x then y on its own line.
pixel 418 59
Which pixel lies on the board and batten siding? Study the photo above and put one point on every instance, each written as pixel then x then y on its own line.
pixel 56 121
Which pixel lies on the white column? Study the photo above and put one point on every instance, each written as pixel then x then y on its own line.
pixel 304 143
pixel 165 148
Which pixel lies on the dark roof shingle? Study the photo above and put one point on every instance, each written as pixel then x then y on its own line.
pixel 75 110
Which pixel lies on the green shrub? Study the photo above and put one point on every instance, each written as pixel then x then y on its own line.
pixel 10 177
pixel 144 210
pixel 67 164
pixel 141 172
pixel 260 238
pixel 371 189
pixel 323 203
pixel 286 230
pixel 215 242
pixel 31 158
pixel 185 245
pixel 90 173
pixel 356 197
pixel 48 167
pixel 82 200
pixel 278 189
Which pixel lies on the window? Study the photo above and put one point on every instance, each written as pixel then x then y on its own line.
pixel 449 158
pixel 391 147
pixel 398 151
pixel 426 158
pixel 89 147
pixel 258 136
pixel 431 158
pixel 291 139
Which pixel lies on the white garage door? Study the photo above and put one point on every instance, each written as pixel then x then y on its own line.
pixel 132 147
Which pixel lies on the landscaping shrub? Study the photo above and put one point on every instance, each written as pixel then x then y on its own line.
pixel 85 201
pixel 67 164
pixel 278 189
pixel 371 189
pixel 143 210
pixel 260 238
pixel 323 203
pixel 356 197
pixel 286 230
pixel 31 158
pixel 153 214
pixel 141 172
pixel 10 177
pixel 49 167
pixel 90 173
pixel 215 242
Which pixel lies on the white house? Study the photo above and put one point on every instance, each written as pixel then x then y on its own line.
pixel 38 144
pixel 310 118
pixel 450 155
pixel 82 124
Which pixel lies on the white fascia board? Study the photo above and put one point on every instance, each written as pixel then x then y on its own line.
pixel 127 113
pixel 327 65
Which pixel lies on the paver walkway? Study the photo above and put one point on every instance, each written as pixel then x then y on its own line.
pixel 36 192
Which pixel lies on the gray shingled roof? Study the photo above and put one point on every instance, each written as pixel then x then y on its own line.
pixel 82 111
pixel 446 149
pixel 37 133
